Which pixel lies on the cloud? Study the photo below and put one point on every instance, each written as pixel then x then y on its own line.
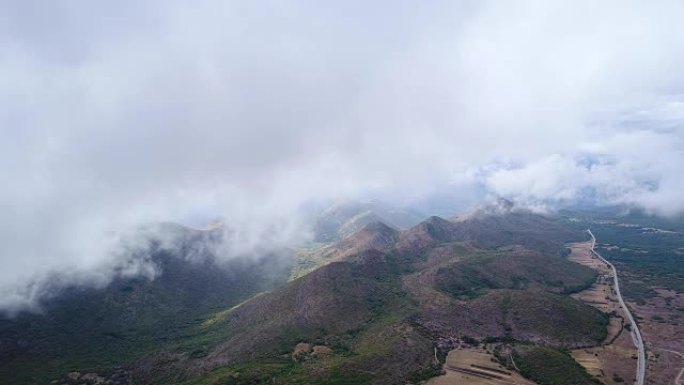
pixel 636 166
pixel 116 116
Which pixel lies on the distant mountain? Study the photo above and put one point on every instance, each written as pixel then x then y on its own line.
pixel 493 226
pixel 488 227
pixel 373 236
pixel 345 217
pixel 432 231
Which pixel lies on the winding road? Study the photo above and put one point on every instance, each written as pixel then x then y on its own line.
pixel 636 334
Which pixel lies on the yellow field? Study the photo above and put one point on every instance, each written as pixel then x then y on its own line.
pixel 474 366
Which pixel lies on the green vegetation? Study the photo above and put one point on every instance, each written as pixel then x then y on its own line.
pixel 539 315
pixel 513 269
pixel 380 350
pixel 548 366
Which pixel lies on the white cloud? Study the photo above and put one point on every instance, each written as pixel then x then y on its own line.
pixel 127 114
pixel 633 167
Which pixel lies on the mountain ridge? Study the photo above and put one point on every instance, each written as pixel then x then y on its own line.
pixel 380 301
pixel 372 286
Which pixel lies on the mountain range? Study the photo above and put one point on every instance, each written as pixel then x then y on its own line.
pixel 382 305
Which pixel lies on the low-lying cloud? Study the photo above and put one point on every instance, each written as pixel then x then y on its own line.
pixel 117 116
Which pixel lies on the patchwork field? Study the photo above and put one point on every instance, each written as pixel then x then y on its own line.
pixel 614 361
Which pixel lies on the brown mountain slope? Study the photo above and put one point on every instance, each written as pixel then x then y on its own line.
pixel 352 306
pixel 524 315
pixel 386 301
pixel 482 229
pixel 434 230
pixel 374 236
pixel 461 290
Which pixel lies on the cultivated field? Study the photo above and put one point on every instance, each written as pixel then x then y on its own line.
pixel 474 366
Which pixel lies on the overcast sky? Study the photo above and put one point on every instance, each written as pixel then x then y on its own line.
pixel 121 113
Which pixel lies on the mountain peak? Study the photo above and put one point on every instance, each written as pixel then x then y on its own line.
pixel 345 217
pixel 432 230
pixel 378 227
pixel 375 235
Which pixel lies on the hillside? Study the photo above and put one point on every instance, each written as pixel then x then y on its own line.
pixel 503 223
pixel 343 305
pixel 492 230
pixel 373 236
pixel 516 268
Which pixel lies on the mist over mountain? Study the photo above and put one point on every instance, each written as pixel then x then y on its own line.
pixel 198 312
pixel 120 116
pixel 258 144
